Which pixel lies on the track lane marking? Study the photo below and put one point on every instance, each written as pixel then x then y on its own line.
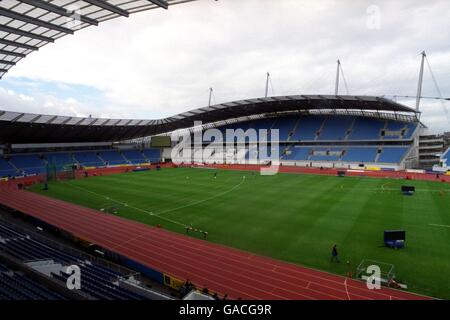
pixel 89 224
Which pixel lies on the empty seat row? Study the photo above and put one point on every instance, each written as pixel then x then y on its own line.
pixel 97 280
pixel 100 289
pixel 329 128
pixel 34 164
pixel 393 155
pixel 8 233
pixel 351 154
pixel 15 286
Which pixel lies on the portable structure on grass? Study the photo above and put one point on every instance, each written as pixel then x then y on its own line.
pixel 366 269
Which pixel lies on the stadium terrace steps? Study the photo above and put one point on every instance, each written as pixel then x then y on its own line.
pixel 219 268
pixel 446 154
pixel 287 128
pixel 392 154
pixel 335 128
pixel 134 156
pixel 88 159
pixel 112 157
pixel 366 129
pixel 308 128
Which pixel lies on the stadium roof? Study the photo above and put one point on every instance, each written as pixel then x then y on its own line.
pixel 16 127
pixel 27 25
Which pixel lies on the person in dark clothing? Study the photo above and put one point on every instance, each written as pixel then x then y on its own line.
pixel 334 254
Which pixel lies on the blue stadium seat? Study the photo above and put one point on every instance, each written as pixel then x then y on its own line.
pixel 326 154
pixel 297 153
pixel 97 280
pixel 367 129
pixel 16 286
pixel 134 156
pixel 6 169
pixel 3 268
pixel 392 154
pixel 285 126
pixel 410 129
pixel 308 128
pixel 8 233
pixel 59 159
pixel 260 126
pixel 29 163
pixel 88 159
pixel 152 155
pixel 360 154
pixel 112 157
pixel 336 128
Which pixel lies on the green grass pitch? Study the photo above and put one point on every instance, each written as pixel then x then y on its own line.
pixel 293 217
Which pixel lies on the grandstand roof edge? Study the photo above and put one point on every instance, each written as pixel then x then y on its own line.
pixel 27 127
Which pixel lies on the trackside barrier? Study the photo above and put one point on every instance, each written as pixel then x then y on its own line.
pixel 148 272
pixel 85 172
pixel 384 173
pixel 173 282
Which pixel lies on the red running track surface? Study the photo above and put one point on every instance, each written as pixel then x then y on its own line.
pixel 221 269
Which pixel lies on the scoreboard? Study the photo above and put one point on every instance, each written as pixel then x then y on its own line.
pixel 161 142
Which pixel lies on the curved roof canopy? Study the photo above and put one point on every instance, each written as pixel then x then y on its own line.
pixel 27 25
pixel 16 127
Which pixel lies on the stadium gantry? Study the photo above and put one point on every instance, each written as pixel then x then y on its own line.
pixel 28 25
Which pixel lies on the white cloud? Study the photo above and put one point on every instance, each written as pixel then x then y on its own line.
pixel 25 97
pixel 160 63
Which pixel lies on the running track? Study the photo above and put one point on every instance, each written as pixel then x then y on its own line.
pixel 221 269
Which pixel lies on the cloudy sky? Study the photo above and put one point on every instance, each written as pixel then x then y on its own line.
pixel 159 63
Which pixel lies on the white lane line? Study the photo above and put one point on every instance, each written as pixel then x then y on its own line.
pixel 346 289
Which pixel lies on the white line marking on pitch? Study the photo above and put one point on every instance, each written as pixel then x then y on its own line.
pixel 439 225
pixel 124 204
pixel 384 185
pixel 159 215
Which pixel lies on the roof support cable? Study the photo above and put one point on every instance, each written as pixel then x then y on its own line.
pixel 444 107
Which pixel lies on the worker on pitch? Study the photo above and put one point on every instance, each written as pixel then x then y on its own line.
pixel 334 254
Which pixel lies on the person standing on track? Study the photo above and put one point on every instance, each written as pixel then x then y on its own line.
pixel 334 254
